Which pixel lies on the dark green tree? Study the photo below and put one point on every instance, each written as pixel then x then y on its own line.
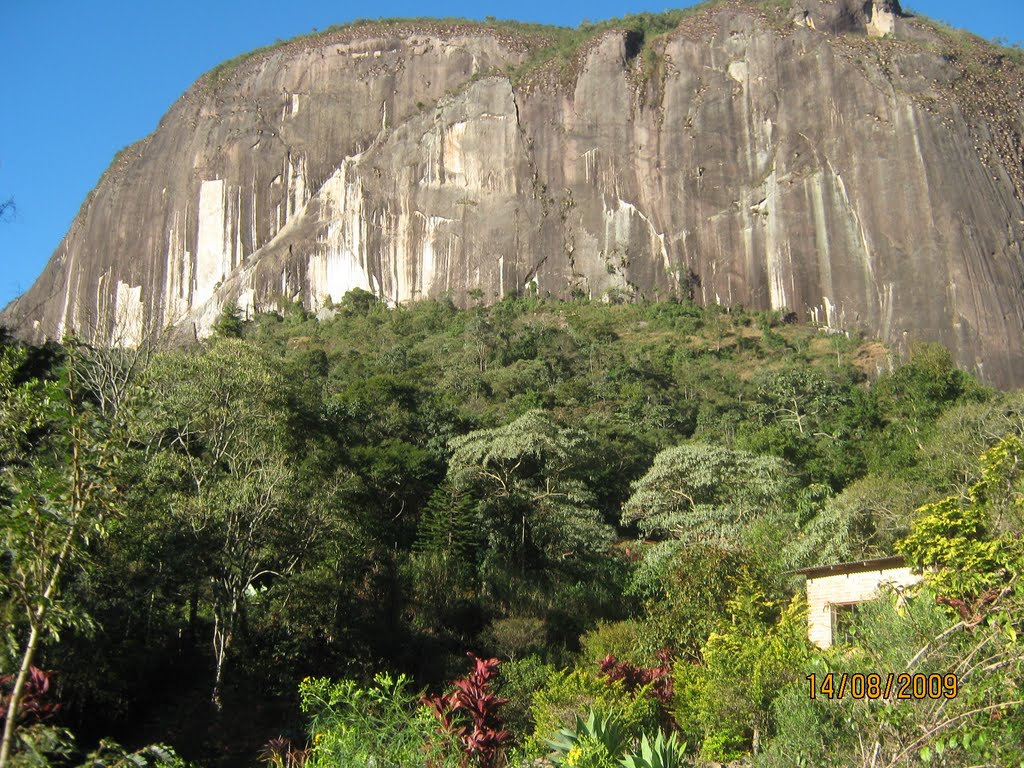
pixel 447 525
pixel 229 324
pixel 219 437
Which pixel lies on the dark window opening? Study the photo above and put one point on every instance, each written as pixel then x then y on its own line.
pixel 843 618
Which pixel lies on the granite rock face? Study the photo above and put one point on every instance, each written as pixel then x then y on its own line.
pixel 831 162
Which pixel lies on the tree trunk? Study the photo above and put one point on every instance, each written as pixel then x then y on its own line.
pixel 223 634
pixel 37 618
pixel 33 642
pixel 16 694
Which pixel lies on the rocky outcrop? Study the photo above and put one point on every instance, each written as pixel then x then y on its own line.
pixel 876 18
pixel 785 161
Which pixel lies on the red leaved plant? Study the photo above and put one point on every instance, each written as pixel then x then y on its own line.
pixel 33 707
pixel 282 753
pixel 469 712
pixel 634 677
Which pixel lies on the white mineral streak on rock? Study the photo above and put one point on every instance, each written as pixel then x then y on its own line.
pixel 857 233
pixel 247 302
pixel 590 165
pixel 738 72
pixel 435 257
pixel 907 123
pixel 397 231
pixel 102 298
pixel 618 226
pixel 129 316
pixel 211 241
pixel 816 188
pixel 179 272
pixel 474 154
pixel 764 152
pixel 229 240
pixel 238 252
pixel 453 158
pixel 339 263
pixel 253 240
pixel 296 194
pixel 76 305
pixel 775 260
pixel 751 221
pixel 830 313
pixel 882 21
pixel 885 299
pixel 62 323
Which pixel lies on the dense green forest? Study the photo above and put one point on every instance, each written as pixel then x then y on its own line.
pixel 430 536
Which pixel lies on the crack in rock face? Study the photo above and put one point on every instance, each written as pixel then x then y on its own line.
pixel 824 167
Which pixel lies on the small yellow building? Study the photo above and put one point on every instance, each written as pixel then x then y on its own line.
pixel 833 591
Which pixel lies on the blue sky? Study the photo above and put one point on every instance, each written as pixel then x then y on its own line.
pixel 82 80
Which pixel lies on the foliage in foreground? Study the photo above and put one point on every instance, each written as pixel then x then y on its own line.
pixel 392 488
pixel 382 724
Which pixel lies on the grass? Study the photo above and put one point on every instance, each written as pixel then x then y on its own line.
pixel 960 41
pixel 548 46
pixel 558 48
pixel 121 158
pixel 225 70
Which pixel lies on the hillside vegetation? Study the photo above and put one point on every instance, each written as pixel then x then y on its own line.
pixel 263 548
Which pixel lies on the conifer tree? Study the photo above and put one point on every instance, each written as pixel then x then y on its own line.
pixel 447 527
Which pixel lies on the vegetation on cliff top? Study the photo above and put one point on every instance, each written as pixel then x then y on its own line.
pixel 559 47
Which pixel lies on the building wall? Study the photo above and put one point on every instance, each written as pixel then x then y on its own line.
pixel 825 591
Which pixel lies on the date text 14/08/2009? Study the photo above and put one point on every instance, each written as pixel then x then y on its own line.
pixel 836 685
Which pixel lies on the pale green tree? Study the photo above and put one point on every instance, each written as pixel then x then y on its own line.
pixel 529 479
pixel 970 547
pixel 863 521
pixel 707 493
pixel 727 699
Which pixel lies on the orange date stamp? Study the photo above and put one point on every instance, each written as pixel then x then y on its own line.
pixel 840 685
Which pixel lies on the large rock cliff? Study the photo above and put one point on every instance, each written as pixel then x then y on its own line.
pixel 832 158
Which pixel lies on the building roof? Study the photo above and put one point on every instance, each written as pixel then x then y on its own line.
pixel 859 566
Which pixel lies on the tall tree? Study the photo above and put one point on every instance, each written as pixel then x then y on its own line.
pixel 219 438
pixel 702 492
pixel 528 478
pixel 447 528
pixel 55 495
pixel 969 546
